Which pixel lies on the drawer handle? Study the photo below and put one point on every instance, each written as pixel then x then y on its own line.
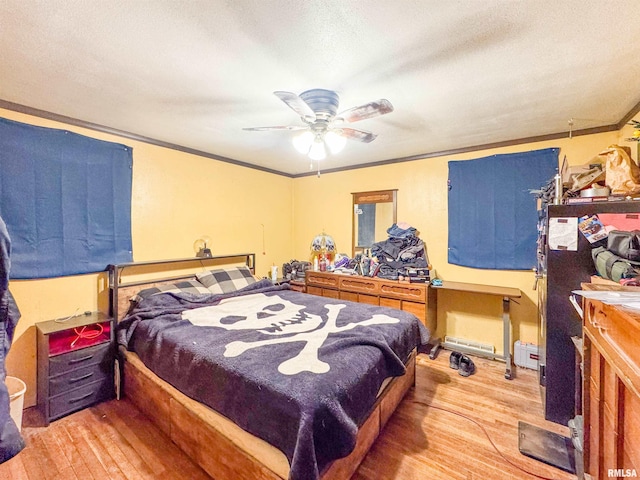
pixel 591 314
pixel 600 328
pixel 83 377
pixel 78 399
pixel 82 359
pixel 597 325
pixel 593 321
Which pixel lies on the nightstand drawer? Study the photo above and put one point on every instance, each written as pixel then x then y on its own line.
pixel 80 377
pixel 79 398
pixel 79 358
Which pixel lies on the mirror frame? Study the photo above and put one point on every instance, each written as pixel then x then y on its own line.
pixel 376 196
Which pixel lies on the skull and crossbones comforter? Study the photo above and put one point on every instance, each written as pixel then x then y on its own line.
pixel 299 371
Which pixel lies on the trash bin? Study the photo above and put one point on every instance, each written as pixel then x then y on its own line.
pixel 16 388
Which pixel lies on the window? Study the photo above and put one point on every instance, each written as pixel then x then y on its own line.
pixel 66 200
pixel 492 214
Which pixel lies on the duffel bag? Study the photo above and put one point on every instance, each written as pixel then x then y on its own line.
pixel 611 266
pixel 625 244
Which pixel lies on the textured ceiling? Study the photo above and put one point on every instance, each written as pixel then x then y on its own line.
pixel 194 73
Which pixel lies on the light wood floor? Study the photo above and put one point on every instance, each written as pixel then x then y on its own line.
pixel 113 440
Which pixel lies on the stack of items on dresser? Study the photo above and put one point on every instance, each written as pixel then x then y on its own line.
pixel 402 256
pixel 610 175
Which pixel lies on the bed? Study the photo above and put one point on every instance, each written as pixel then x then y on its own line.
pixel 253 380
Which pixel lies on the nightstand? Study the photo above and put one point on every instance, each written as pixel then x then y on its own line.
pixel 298 285
pixel 75 363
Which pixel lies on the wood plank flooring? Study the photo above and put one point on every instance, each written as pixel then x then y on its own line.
pixel 113 440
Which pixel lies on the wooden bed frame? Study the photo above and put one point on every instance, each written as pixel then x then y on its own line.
pixel 195 428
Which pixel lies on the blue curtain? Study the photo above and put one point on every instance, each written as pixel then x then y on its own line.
pixel 492 216
pixel 66 200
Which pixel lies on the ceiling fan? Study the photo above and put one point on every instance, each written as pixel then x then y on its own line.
pixel 323 126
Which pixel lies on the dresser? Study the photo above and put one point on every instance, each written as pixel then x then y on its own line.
pixel 416 298
pixel 611 390
pixel 75 363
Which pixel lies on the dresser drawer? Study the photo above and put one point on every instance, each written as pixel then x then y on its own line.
pixel 326 292
pixel 391 302
pixel 78 358
pixel 418 309
pixel 314 290
pixel 617 331
pixel 350 296
pixel 405 291
pixel 359 285
pixel 80 377
pixel 611 387
pixel 370 299
pixel 323 279
pixel 79 398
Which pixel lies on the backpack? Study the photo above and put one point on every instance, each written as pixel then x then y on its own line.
pixel 612 267
pixel 625 244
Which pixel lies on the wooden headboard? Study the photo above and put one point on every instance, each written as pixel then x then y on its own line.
pixel 161 272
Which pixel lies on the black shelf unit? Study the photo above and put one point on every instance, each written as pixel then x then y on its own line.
pixel 564 271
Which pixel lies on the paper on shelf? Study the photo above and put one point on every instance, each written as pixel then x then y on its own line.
pixel 576 305
pixel 563 233
pixel 612 297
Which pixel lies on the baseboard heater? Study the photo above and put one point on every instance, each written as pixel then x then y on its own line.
pixel 469 346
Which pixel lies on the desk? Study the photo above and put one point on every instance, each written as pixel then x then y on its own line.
pixel 507 293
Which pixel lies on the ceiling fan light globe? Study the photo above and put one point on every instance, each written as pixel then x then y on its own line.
pixel 317 150
pixel 302 142
pixel 335 142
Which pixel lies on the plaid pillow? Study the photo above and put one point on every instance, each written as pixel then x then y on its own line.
pixel 186 286
pixel 226 280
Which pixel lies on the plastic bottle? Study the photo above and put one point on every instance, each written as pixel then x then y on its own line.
pixel 557 197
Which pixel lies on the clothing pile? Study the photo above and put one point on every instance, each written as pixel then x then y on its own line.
pixel 403 250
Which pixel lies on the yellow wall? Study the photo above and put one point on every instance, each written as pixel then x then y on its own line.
pixel 325 204
pixel 176 198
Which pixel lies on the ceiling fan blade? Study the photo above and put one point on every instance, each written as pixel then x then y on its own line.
pixel 359 135
pixel 280 127
pixel 296 104
pixel 371 109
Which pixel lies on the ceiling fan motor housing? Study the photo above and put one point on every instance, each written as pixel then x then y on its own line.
pixel 323 102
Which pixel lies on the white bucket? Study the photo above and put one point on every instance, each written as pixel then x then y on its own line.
pixel 16 389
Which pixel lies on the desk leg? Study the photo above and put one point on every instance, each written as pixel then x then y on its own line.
pixel 506 324
pixel 434 343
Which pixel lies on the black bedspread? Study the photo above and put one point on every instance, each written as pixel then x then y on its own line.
pixel 299 371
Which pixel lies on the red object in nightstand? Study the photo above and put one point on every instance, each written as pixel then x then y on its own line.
pixel 79 337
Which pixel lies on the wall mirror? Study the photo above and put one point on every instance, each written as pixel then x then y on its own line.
pixel 373 213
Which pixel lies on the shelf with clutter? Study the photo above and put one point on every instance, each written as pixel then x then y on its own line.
pixel 611 175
